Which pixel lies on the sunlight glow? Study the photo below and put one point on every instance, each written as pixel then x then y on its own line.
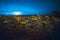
pixel 17 13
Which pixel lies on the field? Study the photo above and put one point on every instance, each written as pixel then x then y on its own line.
pixel 28 27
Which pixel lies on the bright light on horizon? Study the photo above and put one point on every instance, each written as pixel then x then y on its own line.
pixel 17 13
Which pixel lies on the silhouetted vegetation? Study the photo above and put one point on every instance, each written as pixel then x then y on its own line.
pixel 57 14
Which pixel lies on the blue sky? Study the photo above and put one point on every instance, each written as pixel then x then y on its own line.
pixel 29 7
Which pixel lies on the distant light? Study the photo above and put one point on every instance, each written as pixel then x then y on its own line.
pixel 17 13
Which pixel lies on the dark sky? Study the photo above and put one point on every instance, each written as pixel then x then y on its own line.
pixel 28 7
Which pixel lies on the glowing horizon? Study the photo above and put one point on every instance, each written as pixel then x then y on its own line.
pixel 16 13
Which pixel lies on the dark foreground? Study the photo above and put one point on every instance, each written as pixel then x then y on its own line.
pixel 29 28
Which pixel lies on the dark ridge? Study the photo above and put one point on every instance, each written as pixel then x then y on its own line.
pixel 56 14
